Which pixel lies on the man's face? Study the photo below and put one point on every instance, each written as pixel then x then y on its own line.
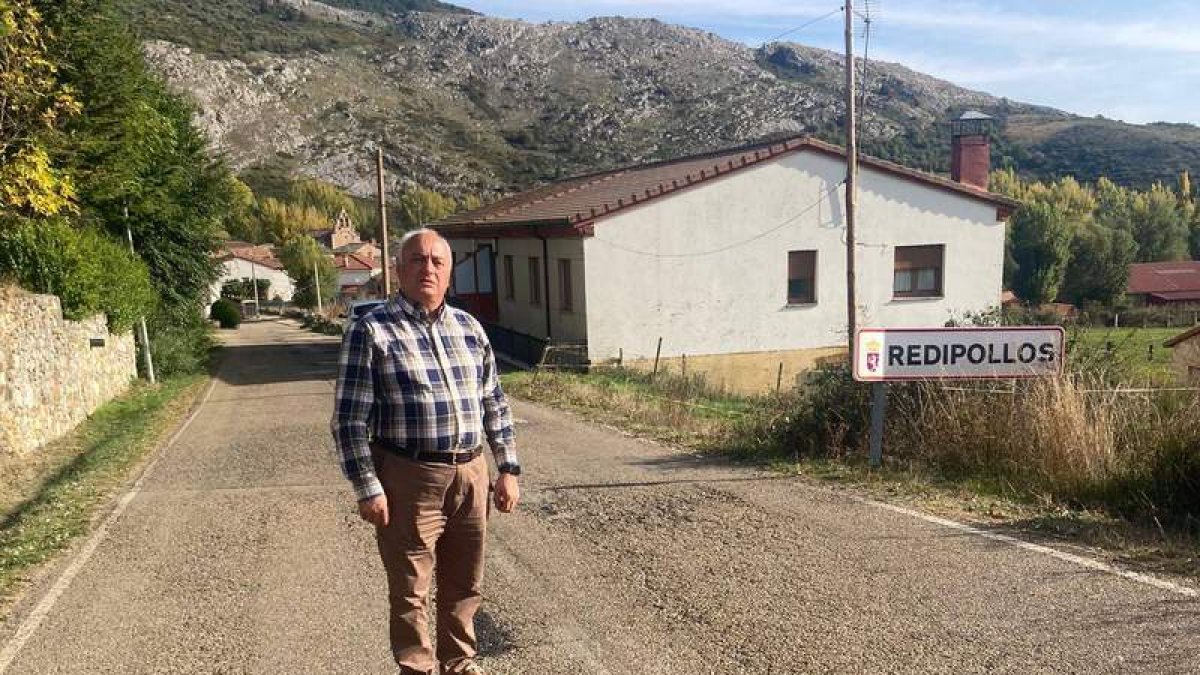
pixel 425 270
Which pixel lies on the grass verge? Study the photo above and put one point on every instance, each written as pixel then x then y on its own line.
pixel 52 496
pixel 951 453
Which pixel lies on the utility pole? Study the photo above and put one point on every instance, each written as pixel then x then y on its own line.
pixel 383 228
pixel 143 334
pixel 254 281
pixel 317 286
pixel 851 179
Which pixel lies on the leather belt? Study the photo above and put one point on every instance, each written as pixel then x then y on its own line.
pixel 451 458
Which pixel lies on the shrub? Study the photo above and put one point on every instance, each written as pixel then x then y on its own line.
pixel 180 344
pixel 226 313
pixel 89 271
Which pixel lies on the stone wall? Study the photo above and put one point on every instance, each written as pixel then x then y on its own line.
pixel 51 377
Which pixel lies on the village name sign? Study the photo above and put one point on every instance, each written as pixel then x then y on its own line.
pixel 900 354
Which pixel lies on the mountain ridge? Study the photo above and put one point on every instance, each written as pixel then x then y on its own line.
pixel 466 103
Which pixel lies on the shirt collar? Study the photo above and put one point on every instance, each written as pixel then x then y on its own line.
pixel 401 306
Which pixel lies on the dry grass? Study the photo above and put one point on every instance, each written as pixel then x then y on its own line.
pixel 1063 459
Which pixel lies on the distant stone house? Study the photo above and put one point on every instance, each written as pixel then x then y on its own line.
pixel 1165 283
pixel 1185 357
pixel 734 259
pixel 340 236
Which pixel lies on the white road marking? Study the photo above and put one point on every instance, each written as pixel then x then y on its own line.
pixel 31 623
pixel 1138 577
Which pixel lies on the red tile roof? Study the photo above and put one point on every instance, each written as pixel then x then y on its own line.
pixel 574 204
pixel 1165 277
pixel 261 254
pixel 353 262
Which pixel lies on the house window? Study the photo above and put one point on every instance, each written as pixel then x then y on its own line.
pixel 918 271
pixel 535 281
pixel 565 299
pixel 802 277
pixel 510 286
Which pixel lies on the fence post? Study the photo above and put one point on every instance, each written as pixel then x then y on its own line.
pixel 620 357
pixel 657 352
pixel 779 378
pixel 541 362
pixel 878 410
pixel 683 366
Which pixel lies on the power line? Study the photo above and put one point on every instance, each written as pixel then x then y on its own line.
pixel 729 247
pixel 866 61
pixel 805 25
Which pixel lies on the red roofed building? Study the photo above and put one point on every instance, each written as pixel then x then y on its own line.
pixel 734 259
pixel 354 271
pixel 1165 283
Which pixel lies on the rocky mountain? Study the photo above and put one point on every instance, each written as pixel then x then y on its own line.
pixel 466 103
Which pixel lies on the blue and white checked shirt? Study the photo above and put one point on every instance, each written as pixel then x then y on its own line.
pixel 430 386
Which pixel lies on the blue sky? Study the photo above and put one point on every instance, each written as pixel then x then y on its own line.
pixel 1137 61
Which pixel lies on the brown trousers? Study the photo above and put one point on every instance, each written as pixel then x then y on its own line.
pixel 437 519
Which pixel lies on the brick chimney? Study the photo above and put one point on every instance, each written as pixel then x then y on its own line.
pixel 970 149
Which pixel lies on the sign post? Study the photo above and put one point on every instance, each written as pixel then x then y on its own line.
pixel 885 355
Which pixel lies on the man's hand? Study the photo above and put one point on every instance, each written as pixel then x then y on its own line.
pixel 374 510
pixel 508 493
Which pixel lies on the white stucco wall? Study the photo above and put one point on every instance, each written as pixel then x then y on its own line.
pixel 355 277
pixel 236 268
pixel 710 270
pixel 518 313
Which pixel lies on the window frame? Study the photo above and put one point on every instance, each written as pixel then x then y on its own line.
pixel 566 300
pixel 510 281
pixel 800 301
pixel 535 280
pixel 918 259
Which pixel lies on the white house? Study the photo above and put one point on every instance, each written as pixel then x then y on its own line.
pixel 240 260
pixel 736 259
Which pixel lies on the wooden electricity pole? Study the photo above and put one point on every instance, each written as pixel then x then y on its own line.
pixel 851 177
pixel 383 228
pixel 143 334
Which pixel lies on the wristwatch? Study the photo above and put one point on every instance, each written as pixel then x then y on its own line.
pixel 510 469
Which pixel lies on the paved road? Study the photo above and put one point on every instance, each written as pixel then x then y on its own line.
pixel 240 554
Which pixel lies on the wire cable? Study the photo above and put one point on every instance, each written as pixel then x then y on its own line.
pixel 730 247
pixel 805 25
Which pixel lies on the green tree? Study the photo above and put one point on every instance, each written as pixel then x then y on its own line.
pixel 299 257
pixel 420 206
pixel 1159 227
pixel 1041 242
pixel 1098 270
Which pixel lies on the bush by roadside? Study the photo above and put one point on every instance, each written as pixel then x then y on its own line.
pixel 89 271
pixel 226 313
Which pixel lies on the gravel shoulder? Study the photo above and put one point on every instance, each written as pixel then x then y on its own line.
pixel 242 555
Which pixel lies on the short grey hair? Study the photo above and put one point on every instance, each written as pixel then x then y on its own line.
pixel 413 234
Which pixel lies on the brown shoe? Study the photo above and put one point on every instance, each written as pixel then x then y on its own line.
pixel 463 668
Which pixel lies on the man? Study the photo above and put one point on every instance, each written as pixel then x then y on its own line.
pixel 417 396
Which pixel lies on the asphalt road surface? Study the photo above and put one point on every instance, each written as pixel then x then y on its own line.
pixel 240 553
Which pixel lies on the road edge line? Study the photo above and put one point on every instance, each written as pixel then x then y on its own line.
pixel 1138 577
pixel 34 619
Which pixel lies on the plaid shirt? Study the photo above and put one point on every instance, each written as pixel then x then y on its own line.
pixel 424 385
